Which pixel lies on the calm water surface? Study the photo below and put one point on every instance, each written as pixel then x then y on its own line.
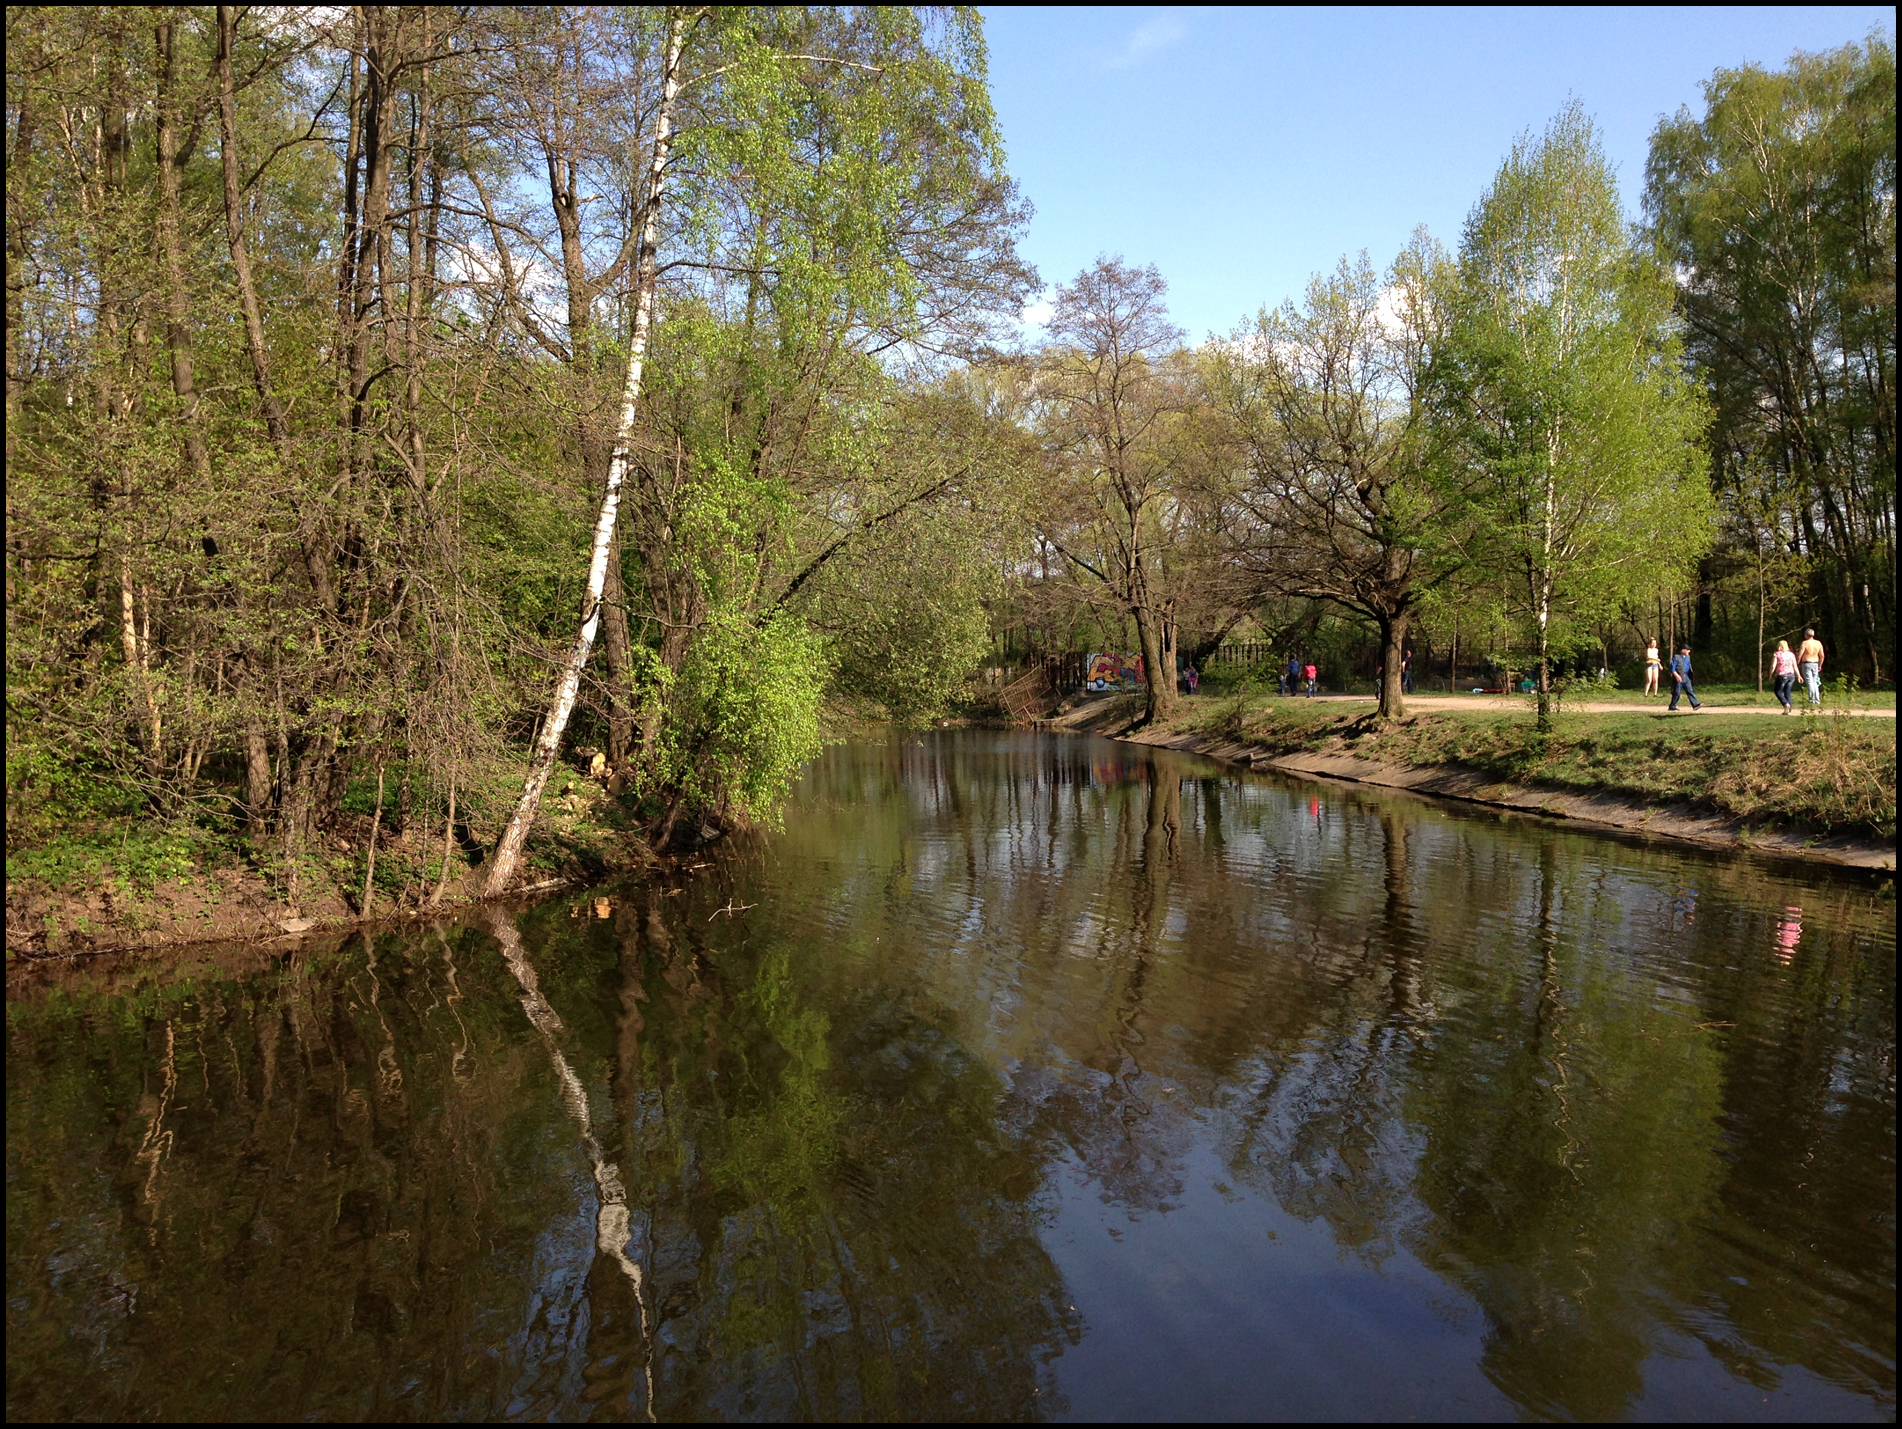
pixel 1021 1077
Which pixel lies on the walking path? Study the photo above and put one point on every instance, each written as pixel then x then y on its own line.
pixel 1509 704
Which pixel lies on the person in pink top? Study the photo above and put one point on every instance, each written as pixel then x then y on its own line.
pixel 1783 674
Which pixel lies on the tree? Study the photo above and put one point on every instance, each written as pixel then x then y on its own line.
pixel 318 346
pixel 508 847
pixel 1344 497
pixel 1108 390
pixel 1777 208
pixel 1562 378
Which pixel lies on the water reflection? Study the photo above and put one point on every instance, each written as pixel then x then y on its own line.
pixel 1019 1077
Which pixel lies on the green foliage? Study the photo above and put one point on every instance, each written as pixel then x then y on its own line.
pixel 743 716
pixel 1776 208
pixel 1564 383
pixel 908 615
pixel 138 857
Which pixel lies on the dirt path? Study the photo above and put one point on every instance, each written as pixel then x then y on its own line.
pixel 1517 704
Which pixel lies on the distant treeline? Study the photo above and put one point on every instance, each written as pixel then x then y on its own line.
pixel 1561 440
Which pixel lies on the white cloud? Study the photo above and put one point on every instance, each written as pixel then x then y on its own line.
pixel 1149 38
pixel 1038 313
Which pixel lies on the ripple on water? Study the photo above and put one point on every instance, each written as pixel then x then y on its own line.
pixel 1020 1076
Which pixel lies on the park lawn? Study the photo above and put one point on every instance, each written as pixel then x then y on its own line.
pixel 1825 774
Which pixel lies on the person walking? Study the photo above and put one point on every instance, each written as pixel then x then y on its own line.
pixel 1291 676
pixel 1406 672
pixel 1313 677
pixel 1809 659
pixel 1653 666
pixel 1783 673
pixel 1681 678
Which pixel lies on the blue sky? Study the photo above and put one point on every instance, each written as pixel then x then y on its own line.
pixel 1240 150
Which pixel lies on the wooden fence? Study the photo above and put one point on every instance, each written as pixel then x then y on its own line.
pixel 1246 653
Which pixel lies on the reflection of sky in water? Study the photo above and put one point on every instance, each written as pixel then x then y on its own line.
pixel 1040 1077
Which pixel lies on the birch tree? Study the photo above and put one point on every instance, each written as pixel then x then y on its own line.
pixel 547 748
pixel 1564 381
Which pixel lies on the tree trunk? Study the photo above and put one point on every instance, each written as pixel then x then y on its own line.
pixel 1393 638
pixel 620 708
pixel 1760 614
pixel 257 778
pixel 1158 665
pixel 508 848
pixel 369 859
pixel 448 843
pixel 177 312
pixel 1545 674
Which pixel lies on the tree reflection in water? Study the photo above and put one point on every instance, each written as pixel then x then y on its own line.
pixel 849 1153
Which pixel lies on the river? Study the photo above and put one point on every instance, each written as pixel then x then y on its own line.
pixel 1018 1077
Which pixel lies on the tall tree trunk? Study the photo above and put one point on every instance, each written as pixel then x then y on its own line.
pixel 1158 664
pixel 171 250
pixel 620 662
pixel 19 154
pixel 1393 649
pixel 369 858
pixel 137 647
pixel 257 778
pixel 508 848
pixel 276 424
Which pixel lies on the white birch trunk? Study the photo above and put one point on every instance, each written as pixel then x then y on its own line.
pixel 508 848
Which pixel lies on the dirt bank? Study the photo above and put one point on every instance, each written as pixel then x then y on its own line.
pixel 96 901
pixel 1675 819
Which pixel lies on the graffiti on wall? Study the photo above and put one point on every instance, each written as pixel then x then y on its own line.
pixel 1113 672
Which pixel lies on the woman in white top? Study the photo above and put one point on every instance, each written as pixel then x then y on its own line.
pixel 1653 667
pixel 1783 672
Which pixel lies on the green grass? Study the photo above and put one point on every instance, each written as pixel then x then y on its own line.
pixel 140 856
pixel 1828 774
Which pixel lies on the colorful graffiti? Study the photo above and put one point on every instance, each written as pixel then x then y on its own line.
pixel 1113 672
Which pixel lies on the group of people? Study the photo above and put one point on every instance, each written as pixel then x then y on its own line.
pixel 1297 678
pixel 1785 667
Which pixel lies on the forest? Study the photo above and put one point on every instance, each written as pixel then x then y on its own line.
pixel 408 405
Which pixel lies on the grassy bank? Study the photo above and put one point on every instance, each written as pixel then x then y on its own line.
pixel 90 868
pixel 1827 774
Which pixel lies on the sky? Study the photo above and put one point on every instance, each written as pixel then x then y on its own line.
pixel 1242 150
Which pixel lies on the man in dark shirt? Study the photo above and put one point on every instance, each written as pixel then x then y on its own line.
pixel 1681 678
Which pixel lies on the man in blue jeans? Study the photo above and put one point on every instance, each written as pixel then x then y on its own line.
pixel 1681 678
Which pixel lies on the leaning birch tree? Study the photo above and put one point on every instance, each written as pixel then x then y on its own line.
pixel 541 761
